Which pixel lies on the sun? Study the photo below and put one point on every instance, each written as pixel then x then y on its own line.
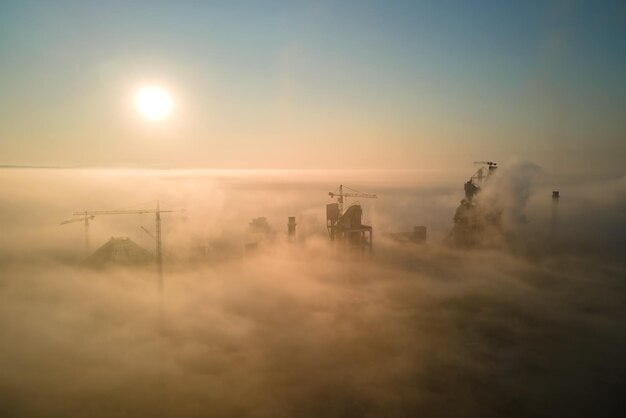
pixel 153 103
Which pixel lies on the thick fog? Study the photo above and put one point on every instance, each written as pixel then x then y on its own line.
pixel 535 326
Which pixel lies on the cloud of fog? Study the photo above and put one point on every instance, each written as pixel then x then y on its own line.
pixel 307 329
pixel 510 190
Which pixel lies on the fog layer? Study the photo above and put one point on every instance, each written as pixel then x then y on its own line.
pixel 308 329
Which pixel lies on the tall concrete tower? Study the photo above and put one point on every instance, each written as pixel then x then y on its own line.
pixel 291 228
pixel 555 204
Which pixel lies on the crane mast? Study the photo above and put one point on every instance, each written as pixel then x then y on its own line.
pixel 85 219
pixel 159 249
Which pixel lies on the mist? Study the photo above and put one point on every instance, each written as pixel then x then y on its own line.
pixel 533 327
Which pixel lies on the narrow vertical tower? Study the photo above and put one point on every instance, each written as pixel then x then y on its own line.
pixel 340 200
pixel 86 235
pixel 291 228
pixel 555 204
pixel 159 253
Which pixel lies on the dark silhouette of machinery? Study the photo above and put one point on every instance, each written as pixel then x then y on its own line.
pixel 473 185
pixel 347 226
pixel 119 251
pixel 291 228
pixel 260 229
pixel 474 221
pixel 556 195
pixel 417 236
pixel 259 234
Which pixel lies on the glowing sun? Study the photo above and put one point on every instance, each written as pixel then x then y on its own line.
pixel 153 103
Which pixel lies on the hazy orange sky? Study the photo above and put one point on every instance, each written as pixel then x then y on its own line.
pixel 319 84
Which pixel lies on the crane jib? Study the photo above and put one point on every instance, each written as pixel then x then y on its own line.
pixel 121 212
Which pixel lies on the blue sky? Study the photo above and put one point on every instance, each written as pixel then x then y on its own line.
pixel 283 84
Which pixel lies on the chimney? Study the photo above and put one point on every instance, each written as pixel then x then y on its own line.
pixel 555 204
pixel 291 228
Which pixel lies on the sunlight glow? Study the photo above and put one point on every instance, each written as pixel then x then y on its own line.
pixel 153 103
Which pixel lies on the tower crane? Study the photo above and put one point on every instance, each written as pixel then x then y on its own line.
pixel 85 219
pixel 87 215
pixel 487 163
pixel 150 234
pixel 479 175
pixel 474 184
pixel 491 168
pixel 351 193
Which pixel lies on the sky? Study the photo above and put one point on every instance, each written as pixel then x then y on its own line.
pixel 315 84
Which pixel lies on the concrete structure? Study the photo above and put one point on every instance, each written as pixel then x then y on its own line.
pixel 418 235
pixel 476 223
pixel 348 228
pixel 556 195
pixel 119 251
pixel 258 235
pixel 291 228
